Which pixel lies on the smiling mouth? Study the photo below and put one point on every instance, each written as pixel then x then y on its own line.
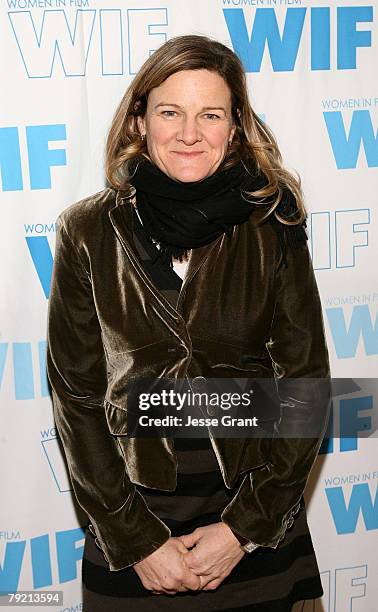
pixel 188 153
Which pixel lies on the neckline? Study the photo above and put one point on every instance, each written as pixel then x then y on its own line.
pixel 153 251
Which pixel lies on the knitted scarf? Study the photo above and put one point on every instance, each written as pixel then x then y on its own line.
pixel 183 215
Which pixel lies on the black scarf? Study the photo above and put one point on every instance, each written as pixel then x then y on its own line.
pixel 181 216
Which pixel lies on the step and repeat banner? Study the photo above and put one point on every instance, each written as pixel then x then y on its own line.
pixel 312 74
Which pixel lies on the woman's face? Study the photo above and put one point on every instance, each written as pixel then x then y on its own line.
pixel 188 124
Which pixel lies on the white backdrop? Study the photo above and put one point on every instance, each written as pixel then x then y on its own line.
pixel 312 73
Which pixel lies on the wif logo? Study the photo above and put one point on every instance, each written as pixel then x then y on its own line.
pixel 25 362
pixel 345 514
pixel 351 418
pixel 116 42
pixel 339 238
pixel 54 559
pixel 352 498
pixel 342 586
pixel 359 326
pixel 40 158
pixel 41 253
pixel 284 47
pixel 362 135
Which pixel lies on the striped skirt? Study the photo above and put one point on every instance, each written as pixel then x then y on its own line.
pixel 266 580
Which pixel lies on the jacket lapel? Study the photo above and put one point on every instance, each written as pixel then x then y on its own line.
pixel 122 221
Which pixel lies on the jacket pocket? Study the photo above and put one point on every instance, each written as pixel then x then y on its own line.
pixel 116 418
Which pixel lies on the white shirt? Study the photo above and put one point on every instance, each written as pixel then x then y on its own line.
pixel 180 267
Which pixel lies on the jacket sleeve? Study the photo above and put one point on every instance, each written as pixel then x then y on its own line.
pixel 126 530
pixel 269 497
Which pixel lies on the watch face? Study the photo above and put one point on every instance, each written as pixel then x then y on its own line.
pixel 249 547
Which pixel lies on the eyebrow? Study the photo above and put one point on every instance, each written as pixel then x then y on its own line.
pixel 178 106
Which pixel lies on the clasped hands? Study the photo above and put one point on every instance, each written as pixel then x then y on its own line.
pixel 214 552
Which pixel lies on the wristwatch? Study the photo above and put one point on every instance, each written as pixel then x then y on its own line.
pixel 245 544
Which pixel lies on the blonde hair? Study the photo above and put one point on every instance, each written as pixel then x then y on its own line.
pixel 253 140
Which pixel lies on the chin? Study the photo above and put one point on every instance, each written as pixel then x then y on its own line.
pixel 190 175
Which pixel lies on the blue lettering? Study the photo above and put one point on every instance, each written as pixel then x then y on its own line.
pixel 41 158
pixel 10 159
pixel 68 556
pixel 283 51
pixel 111 41
pixel 39 50
pixel 348 38
pixel 41 562
pixel 350 423
pixel 320 38
pixel 345 519
pixel 23 370
pixel 346 149
pixel 68 553
pixel 42 348
pixel 41 255
pixel 11 569
pixel 346 341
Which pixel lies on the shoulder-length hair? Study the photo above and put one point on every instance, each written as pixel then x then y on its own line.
pixel 253 142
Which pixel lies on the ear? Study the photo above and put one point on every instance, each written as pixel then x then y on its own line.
pixel 234 126
pixel 141 125
pixel 232 132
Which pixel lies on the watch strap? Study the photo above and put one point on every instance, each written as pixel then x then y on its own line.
pixel 245 544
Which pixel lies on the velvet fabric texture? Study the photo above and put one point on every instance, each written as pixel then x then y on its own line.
pixel 240 313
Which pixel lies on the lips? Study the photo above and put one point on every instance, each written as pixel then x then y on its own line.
pixel 187 154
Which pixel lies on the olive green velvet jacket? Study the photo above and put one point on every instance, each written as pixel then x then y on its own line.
pixel 241 313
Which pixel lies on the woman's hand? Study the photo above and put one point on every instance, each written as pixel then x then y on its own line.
pixel 165 570
pixel 216 552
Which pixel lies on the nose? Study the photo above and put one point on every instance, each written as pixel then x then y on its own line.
pixel 189 132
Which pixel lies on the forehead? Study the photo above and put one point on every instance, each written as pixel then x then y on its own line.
pixel 192 83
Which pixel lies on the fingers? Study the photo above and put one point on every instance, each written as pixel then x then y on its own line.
pixel 190 539
pixel 179 589
pixel 183 581
pixel 191 580
pixel 186 541
pixel 183 587
pixel 181 547
pixel 212 585
pixel 205 584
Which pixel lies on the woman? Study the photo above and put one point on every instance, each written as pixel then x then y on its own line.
pixel 196 182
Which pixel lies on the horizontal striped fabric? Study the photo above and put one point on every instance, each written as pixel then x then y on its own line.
pixel 264 580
